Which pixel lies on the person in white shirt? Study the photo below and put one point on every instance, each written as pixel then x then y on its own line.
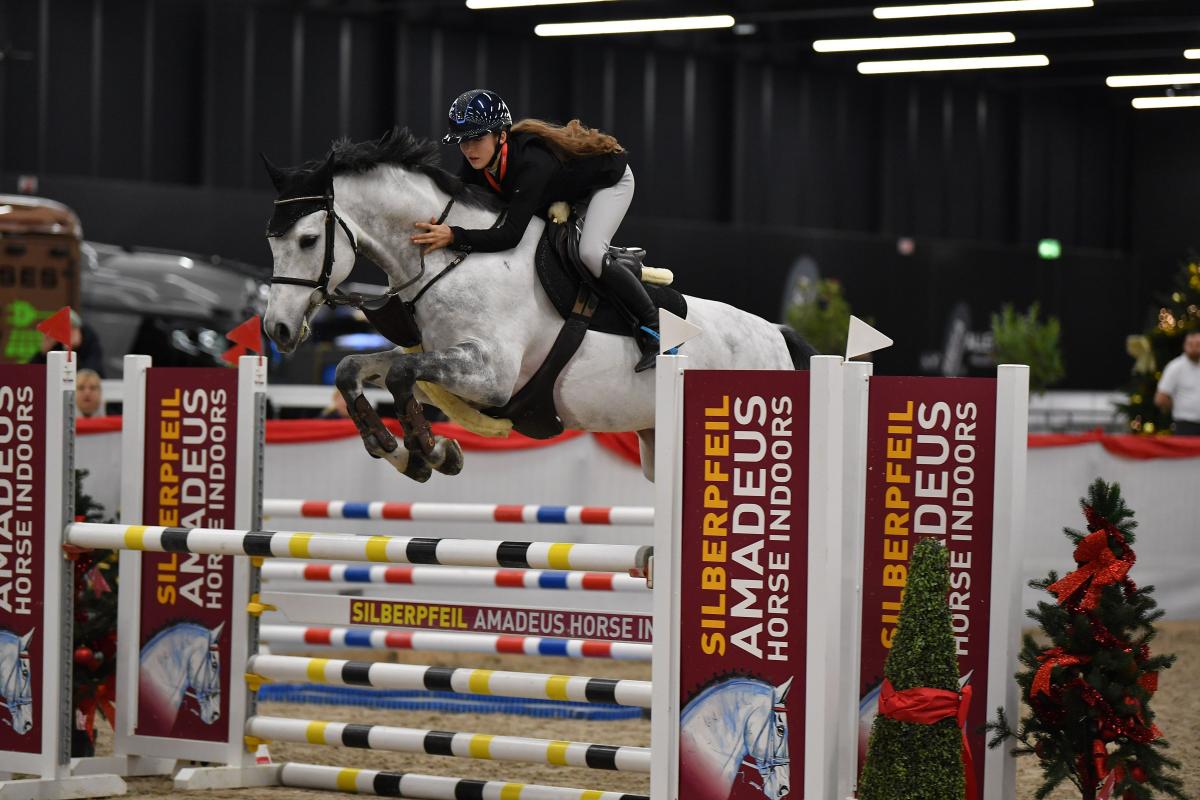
pixel 1179 387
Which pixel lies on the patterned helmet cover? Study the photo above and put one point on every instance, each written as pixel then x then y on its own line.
pixel 475 113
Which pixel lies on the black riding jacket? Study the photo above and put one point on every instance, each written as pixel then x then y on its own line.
pixel 533 180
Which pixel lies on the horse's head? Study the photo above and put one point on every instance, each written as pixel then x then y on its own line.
pixel 770 752
pixel 205 681
pixel 14 682
pixel 312 247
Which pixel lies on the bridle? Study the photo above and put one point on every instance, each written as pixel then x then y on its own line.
pixel 774 761
pixel 357 300
pixel 13 704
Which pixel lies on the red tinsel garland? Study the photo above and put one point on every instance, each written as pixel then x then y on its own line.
pixel 926 706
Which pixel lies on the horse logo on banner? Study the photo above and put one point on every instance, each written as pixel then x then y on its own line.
pixel 181 661
pixel 16 695
pixel 737 729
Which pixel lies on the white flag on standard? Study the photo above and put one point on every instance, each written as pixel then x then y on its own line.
pixel 673 330
pixel 864 339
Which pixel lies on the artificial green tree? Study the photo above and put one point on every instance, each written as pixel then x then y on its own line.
pixel 821 314
pixel 1025 339
pixel 908 760
pixel 1088 718
pixel 1175 315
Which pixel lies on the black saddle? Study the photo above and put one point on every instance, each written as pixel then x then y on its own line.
pixel 562 274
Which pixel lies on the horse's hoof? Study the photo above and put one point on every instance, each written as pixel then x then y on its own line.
pixel 418 468
pixel 451 453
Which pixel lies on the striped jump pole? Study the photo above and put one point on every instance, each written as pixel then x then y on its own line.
pixel 455 576
pixel 351 547
pixel 451 642
pixel 429 787
pixel 619 758
pixel 460 512
pixel 379 675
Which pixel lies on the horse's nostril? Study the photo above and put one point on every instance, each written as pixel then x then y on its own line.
pixel 282 332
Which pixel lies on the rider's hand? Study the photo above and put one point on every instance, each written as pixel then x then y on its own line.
pixel 434 236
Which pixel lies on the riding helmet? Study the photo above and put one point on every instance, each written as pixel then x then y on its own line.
pixel 475 113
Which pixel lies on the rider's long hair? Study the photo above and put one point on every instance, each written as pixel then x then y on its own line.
pixel 573 140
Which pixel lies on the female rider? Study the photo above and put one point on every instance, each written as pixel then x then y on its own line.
pixel 531 165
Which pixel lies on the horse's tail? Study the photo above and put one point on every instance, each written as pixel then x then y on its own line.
pixel 799 349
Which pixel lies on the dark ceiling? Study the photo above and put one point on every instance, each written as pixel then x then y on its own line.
pixel 1084 45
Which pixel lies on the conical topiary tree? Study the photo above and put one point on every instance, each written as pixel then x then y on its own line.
pixel 1089 719
pixel 912 760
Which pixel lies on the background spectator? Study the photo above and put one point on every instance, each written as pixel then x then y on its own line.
pixel 89 399
pixel 1179 387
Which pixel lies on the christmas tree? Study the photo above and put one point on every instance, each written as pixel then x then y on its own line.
pixel 1089 719
pixel 916 745
pixel 95 629
pixel 1178 312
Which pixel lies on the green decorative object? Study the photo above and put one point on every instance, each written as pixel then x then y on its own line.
pixel 906 760
pixel 1025 339
pixel 821 315
pixel 1088 691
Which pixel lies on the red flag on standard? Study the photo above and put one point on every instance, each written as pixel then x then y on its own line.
pixel 248 335
pixel 232 355
pixel 58 326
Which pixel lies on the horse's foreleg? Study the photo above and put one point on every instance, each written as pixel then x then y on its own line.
pixel 463 369
pixel 352 373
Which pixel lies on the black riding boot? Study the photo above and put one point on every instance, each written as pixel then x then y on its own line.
pixel 628 290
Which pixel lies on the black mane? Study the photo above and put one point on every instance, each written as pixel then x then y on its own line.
pixel 399 147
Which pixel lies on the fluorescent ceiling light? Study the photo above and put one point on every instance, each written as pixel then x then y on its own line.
pixel 1191 53
pixel 633 26
pixel 905 42
pixel 1121 81
pixel 946 64
pixel 989 7
pixel 487 5
pixel 1186 101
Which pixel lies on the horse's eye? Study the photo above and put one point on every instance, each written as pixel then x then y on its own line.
pixel 308 240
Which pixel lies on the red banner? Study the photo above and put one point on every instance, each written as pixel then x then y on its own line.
pixel 744 585
pixel 22 534
pixel 186 607
pixel 931 448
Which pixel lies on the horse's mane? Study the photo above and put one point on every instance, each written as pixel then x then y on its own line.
pixel 723 677
pixel 175 623
pixel 402 148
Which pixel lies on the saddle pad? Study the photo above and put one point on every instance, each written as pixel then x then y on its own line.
pixel 561 284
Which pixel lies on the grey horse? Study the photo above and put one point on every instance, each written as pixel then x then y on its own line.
pixel 486 326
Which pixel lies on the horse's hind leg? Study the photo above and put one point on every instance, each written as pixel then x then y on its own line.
pixel 352 373
pixel 646 446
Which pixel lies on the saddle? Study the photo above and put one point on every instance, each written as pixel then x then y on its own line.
pixel 584 305
pixel 579 299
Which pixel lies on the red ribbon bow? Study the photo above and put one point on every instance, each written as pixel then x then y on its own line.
pixel 926 706
pixel 1054 657
pixel 1097 564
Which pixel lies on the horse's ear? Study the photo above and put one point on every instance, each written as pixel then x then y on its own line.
pixel 276 174
pixel 215 634
pixel 323 176
pixel 781 691
pixel 27 638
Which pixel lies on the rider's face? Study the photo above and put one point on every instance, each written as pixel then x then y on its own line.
pixel 480 151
